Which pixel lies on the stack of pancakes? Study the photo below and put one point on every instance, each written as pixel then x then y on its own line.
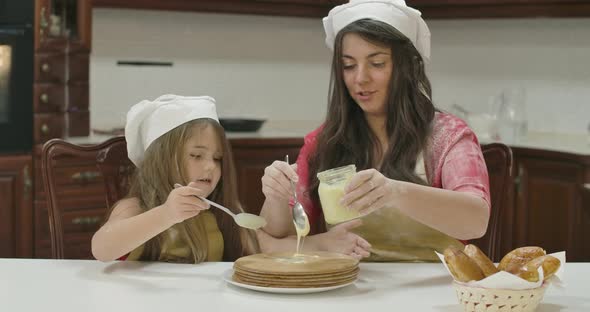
pixel 285 270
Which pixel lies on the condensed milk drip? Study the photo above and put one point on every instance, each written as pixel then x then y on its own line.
pixel 301 233
pixel 297 258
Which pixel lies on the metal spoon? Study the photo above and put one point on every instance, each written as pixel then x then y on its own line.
pixel 243 219
pixel 299 216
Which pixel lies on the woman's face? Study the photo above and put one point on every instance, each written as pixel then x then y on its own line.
pixel 202 158
pixel 367 70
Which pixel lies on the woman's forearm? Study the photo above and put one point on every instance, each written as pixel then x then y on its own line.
pixel 119 237
pixel 279 218
pixel 458 214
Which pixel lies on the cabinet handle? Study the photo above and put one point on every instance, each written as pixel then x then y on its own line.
pixel 28 183
pixel 587 186
pixel 85 176
pixel 44 128
pixel 44 98
pixel 45 67
pixel 86 220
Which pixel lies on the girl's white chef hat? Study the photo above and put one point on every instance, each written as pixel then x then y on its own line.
pixel 149 120
pixel 393 12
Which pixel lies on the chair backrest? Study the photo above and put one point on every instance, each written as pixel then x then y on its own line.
pixel 109 157
pixel 498 158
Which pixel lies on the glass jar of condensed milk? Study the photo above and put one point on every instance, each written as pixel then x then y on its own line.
pixel 331 190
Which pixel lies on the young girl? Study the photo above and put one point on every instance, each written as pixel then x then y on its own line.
pixel 175 139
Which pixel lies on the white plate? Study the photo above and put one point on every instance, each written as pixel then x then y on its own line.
pixel 227 276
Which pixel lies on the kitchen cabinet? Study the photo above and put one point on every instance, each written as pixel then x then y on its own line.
pixel 551 207
pixel 431 9
pixel 251 156
pixel 61 68
pixel 62 44
pixel 302 8
pixel 454 9
pixel 16 191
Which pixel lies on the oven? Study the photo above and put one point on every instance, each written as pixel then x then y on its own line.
pixel 16 76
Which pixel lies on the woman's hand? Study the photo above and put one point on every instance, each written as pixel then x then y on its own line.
pixel 340 239
pixel 369 190
pixel 276 182
pixel 182 203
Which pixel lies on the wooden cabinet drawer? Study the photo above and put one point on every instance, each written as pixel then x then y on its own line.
pixel 78 123
pixel 75 247
pixel 77 221
pixel 77 180
pixel 48 98
pixel 82 217
pixel 79 65
pixel 78 97
pixel 50 67
pixel 48 126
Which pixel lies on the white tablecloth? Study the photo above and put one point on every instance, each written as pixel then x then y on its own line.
pixel 79 285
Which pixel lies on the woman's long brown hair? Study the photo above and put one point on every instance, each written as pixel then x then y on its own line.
pixel 163 166
pixel 346 137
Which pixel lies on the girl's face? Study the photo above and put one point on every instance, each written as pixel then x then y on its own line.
pixel 367 71
pixel 202 158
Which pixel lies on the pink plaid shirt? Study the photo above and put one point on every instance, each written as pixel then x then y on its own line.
pixel 453 160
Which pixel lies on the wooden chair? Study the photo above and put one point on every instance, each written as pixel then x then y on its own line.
pixel 112 163
pixel 498 158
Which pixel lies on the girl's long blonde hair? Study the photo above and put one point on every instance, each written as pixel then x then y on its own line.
pixel 163 166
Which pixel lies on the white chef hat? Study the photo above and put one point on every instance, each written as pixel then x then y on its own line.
pixel 393 12
pixel 149 120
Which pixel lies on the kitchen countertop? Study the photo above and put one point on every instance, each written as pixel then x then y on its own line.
pixel 569 143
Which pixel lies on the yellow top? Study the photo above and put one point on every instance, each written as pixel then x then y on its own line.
pixel 175 249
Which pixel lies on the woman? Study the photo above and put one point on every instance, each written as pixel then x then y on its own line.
pixel 422 184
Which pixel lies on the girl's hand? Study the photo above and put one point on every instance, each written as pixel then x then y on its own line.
pixel 369 190
pixel 276 182
pixel 182 203
pixel 340 239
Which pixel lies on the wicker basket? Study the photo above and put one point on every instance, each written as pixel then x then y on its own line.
pixel 476 299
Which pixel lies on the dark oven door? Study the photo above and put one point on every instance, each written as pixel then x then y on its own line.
pixel 16 88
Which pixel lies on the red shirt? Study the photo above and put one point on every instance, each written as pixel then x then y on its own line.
pixel 453 160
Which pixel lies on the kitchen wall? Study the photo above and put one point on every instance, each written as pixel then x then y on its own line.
pixel 278 68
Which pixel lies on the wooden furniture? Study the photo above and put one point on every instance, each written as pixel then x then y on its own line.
pixel 302 8
pixel 498 158
pixel 455 9
pixel 431 9
pixel 16 195
pixel 110 158
pixel 251 156
pixel 548 205
pixel 32 285
pixel 62 48
pixel 551 207
pixel 60 107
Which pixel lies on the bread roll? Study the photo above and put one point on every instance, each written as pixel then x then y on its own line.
pixel 463 268
pixel 485 264
pixel 514 260
pixel 530 273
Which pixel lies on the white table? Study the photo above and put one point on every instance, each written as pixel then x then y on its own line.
pixel 79 285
